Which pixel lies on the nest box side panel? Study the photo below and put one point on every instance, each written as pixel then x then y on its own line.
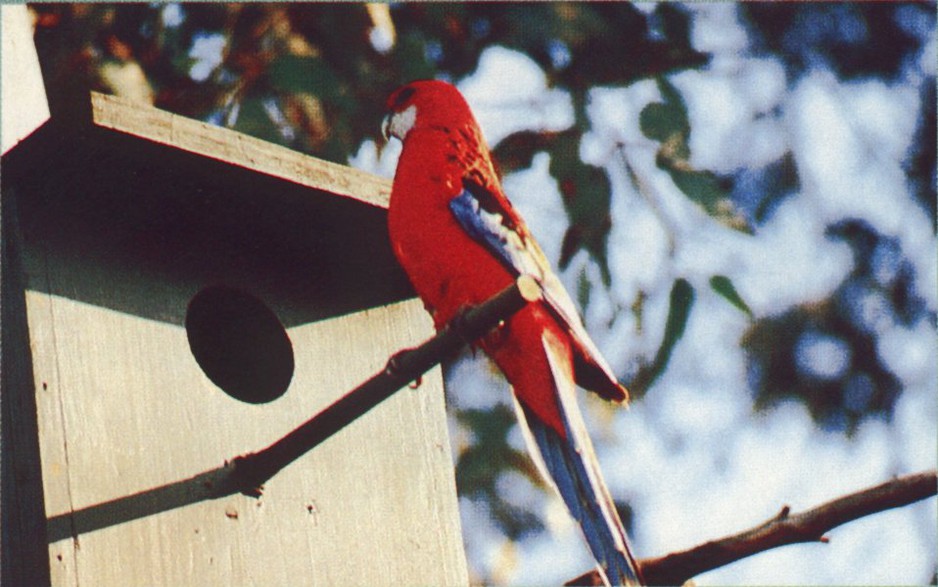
pixel 22 515
pixel 125 410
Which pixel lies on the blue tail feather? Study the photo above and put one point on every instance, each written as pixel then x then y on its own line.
pixel 568 471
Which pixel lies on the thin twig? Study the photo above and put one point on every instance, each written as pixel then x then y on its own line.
pixel 783 528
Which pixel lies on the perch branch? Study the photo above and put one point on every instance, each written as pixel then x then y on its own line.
pixel 251 471
pixel 783 528
pixel 246 474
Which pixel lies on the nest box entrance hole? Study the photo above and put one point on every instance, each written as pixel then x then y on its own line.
pixel 240 344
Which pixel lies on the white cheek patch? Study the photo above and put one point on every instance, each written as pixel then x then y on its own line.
pixel 402 122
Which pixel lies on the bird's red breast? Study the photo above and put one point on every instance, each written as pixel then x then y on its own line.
pixel 443 151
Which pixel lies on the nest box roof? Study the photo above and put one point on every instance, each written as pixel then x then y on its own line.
pixel 129 207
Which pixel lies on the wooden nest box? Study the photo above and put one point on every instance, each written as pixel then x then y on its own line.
pixel 174 295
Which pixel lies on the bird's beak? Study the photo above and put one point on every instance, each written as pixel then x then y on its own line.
pixel 399 122
pixel 386 127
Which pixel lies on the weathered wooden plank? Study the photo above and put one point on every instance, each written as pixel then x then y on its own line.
pixel 233 147
pixel 22 514
pixel 23 96
pixel 124 408
pixel 22 517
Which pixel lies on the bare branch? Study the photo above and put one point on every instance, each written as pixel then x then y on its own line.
pixel 783 528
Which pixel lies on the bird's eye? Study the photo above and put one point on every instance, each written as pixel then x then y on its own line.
pixel 402 97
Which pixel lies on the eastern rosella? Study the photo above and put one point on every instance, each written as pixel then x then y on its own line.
pixel 460 242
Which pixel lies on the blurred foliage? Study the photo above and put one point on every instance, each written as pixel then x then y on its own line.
pixel 854 41
pixel 307 76
pixel 920 166
pixel 757 192
pixel 667 123
pixel 878 293
pixel 314 77
pixel 861 39
pixel 490 452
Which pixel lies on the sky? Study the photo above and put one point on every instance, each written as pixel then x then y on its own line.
pixel 692 457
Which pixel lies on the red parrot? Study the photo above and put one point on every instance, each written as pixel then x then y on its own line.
pixel 460 241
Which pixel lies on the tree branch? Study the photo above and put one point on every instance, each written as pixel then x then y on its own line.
pixel 783 528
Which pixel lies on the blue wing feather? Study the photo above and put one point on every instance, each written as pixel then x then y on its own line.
pixel 482 226
pixel 481 215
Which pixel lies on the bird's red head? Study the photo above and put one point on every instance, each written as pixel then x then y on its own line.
pixel 425 104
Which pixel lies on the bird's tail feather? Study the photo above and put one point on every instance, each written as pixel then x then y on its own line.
pixel 570 464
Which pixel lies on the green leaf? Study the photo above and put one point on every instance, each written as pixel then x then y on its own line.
pixel 583 289
pixel 659 121
pixel 411 56
pixel 723 286
pixel 671 95
pixel 703 188
pixel 681 302
pixel 699 186
pixel 665 121
pixel 587 194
